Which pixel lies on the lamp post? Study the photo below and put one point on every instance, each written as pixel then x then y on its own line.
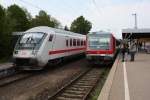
pixel 135 17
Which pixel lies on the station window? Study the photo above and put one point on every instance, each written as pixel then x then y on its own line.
pixel 70 42
pixel 50 37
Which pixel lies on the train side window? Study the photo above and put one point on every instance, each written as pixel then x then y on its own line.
pixel 78 42
pixel 67 43
pixel 50 37
pixel 70 42
pixel 81 42
pixel 74 42
pixel 84 43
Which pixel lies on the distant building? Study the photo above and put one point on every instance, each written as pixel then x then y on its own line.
pixel 140 36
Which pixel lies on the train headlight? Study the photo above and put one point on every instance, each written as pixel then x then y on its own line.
pixel 15 52
pixel 34 52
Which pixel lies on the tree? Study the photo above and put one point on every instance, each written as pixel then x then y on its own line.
pixel 66 28
pixel 43 19
pixel 2 31
pixel 80 25
pixel 2 20
pixel 17 18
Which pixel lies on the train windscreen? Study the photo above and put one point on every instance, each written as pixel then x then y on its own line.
pixel 99 42
pixel 31 40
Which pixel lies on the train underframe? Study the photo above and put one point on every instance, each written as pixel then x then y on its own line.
pixel 34 64
pixel 100 60
pixel 27 64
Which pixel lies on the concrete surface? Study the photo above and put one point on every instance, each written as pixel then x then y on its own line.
pixel 130 81
pixel 4 66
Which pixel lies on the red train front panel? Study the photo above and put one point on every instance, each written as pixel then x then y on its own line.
pixel 100 48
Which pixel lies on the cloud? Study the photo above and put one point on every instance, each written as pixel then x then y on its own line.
pixel 116 17
pixel 108 15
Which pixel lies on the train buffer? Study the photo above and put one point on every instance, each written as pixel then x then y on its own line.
pixel 128 80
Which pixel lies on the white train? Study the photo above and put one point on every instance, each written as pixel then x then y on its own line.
pixel 42 45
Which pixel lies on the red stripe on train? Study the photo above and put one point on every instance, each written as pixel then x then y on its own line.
pixel 99 52
pixel 66 50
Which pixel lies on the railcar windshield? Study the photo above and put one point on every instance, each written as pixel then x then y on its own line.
pixel 99 42
pixel 31 40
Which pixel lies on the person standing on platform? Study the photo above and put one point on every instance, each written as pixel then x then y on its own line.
pixel 132 51
pixel 123 51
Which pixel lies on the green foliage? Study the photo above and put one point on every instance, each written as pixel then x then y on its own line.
pixel 66 28
pixel 43 19
pixel 81 25
pixel 17 18
pixel 2 20
pixel 2 31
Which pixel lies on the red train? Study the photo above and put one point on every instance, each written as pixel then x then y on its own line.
pixel 101 47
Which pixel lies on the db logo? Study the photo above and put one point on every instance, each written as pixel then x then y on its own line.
pixel 23 53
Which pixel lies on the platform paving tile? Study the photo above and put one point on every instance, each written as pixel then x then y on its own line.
pixel 138 79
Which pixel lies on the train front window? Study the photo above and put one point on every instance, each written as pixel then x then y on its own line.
pixel 99 43
pixel 31 40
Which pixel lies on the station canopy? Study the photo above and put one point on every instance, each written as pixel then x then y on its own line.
pixel 140 34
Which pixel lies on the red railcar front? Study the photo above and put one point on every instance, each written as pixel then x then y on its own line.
pixel 100 47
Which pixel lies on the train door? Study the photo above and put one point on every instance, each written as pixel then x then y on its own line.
pixel 47 48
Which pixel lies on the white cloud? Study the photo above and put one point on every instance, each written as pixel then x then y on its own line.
pixel 117 17
pixel 104 14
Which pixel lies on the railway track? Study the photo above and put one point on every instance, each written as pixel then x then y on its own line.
pixel 7 71
pixel 15 77
pixel 80 87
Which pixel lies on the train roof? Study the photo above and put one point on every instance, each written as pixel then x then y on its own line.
pixel 48 30
pixel 100 32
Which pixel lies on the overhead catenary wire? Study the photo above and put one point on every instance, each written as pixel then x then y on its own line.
pixel 35 6
pixel 28 3
pixel 39 8
pixel 97 8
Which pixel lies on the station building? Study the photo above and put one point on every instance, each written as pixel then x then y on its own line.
pixel 140 36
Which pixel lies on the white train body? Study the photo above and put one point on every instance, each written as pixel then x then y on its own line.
pixel 41 45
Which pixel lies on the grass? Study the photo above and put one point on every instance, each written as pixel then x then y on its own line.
pixel 4 59
pixel 96 91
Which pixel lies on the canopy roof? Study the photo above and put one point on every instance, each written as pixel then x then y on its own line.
pixel 140 34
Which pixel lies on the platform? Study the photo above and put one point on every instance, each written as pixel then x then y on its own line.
pixel 6 69
pixel 4 66
pixel 128 80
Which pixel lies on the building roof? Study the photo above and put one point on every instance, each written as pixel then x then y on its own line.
pixel 136 33
pixel 48 30
pixel 144 30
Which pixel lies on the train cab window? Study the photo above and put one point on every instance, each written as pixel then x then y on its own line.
pixel 67 43
pixel 70 42
pixel 74 42
pixel 50 37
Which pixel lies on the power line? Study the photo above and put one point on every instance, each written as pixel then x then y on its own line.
pixel 98 10
pixel 135 17
pixel 28 3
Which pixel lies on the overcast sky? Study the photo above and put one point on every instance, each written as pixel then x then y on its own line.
pixel 107 15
